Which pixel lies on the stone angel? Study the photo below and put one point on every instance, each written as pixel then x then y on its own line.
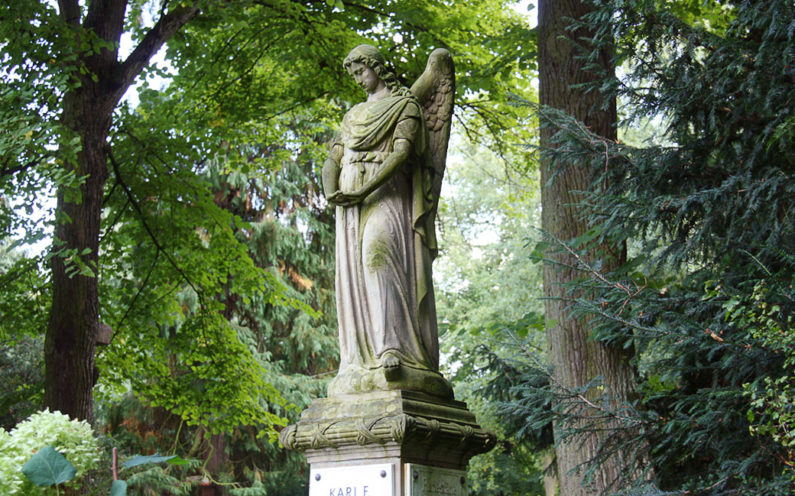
pixel 384 174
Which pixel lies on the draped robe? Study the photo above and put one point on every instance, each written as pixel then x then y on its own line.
pixel 384 246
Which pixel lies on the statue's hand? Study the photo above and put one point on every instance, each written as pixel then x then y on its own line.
pixel 344 199
pixel 333 197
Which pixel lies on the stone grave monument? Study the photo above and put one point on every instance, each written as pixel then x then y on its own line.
pixel 390 425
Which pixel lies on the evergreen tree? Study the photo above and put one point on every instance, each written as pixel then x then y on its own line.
pixel 706 295
pixel 487 297
pixel 578 362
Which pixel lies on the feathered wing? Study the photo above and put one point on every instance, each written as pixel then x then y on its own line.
pixel 435 90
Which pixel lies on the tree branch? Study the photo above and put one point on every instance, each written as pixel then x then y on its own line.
pixel 137 293
pixel 148 230
pixel 10 171
pixel 470 134
pixel 161 32
pixel 114 221
pixel 70 11
pixel 391 16
pixel 106 19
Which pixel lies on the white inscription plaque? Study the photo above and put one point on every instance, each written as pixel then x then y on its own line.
pixel 423 480
pixel 356 480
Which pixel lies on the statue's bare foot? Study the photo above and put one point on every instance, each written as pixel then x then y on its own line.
pixel 390 361
pixel 391 364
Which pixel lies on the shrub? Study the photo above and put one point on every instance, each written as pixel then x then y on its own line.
pixel 72 438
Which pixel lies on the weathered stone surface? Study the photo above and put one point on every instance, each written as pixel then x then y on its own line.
pixel 382 425
pixel 389 404
pixel 422 480
pixel 354 380
pixel 384 174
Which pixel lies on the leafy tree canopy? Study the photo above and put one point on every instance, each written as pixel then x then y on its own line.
pixel 214 262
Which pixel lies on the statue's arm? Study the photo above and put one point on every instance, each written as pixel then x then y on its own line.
pixel 401 150
pixel 331 170
pixel 405 134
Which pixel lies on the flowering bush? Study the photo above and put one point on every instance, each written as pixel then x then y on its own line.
pixel 72 438
pixel 10 465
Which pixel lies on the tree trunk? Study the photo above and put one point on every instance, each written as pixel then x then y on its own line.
pixel 216 458
pixel 550 474
pixel 87 113
pixel 74 317
pixel 576 359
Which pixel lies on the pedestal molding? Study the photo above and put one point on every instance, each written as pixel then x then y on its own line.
pixel 380 430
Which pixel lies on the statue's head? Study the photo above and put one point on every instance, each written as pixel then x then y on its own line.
pixel 372 58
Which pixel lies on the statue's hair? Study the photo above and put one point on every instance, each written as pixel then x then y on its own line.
pixel 372 58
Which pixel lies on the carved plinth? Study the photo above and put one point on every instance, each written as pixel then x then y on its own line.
pixel 388 426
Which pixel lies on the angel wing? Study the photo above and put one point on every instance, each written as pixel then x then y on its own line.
pixel 435 89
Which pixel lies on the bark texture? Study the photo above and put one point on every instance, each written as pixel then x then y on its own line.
pixel 576 359
pixel 87 113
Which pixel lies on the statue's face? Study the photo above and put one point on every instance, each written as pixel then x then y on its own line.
pixel 365 77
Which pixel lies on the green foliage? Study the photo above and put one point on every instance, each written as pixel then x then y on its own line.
pixel 276 215
pixel 485 287
pixel 775 404
pixel 143 460
pixel 223 156
pixel 174 257
pixel 10 466
pixel 771 410
pixel 146 480
pixel 158 481
pixel 118 488
pixel 48 468
pixel 486 213
pixel 21 380
pixel 246 136
pixel 24 306
pixel 216 261
pixel 36 70
pixel 706 296
pixel 283 56
pixel 71 439
pixel 522 459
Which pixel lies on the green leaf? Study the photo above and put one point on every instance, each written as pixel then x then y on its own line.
pixel 538 251
pixel 118 488
pixel 48 467
pixel 142 460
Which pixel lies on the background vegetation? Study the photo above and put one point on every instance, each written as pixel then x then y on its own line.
pixel 213 254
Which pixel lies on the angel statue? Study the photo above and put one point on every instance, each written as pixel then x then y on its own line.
pixel 384 173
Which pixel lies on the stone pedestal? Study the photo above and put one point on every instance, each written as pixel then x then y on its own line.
pixel 413 433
